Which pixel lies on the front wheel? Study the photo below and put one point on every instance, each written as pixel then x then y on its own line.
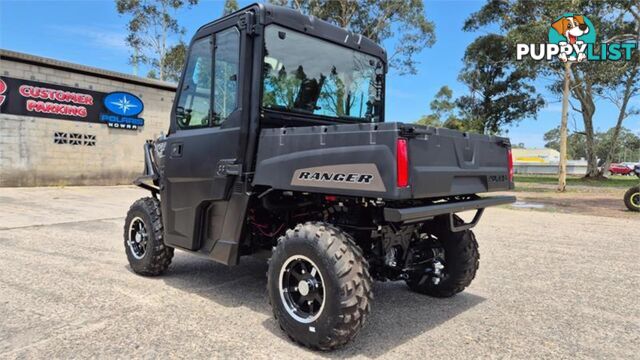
pixel 632 198
pixel 319 286
pixel 143 238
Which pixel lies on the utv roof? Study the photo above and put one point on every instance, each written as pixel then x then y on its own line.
pixel 295 20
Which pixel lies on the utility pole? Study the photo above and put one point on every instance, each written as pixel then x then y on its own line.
pixel 562 166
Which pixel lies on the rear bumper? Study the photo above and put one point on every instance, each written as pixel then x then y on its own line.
pixel 420 213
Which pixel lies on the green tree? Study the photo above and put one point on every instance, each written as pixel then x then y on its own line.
pixel 429 120
pixel 499 93
pixel 151 26
pixel 620 94
pixel 443 110
pixel 230 6
pixel 619 145
pixel 174 61
pixel 525 21
pixel 575 143
pixel 625 148
pixel 378 20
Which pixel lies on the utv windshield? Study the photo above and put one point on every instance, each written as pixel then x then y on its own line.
pixel 303 74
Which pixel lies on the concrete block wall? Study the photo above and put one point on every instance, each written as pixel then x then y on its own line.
pixel 30 157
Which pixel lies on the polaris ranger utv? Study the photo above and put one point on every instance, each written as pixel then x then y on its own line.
pixel 277 142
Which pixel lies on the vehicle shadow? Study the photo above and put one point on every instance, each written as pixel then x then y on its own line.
pixel 398 315
pixel 244 285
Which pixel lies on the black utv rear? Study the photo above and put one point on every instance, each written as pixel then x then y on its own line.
pixel 277 142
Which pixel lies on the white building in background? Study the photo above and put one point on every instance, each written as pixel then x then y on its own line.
pixel 544 161
pixel 537 155
pixel 70 124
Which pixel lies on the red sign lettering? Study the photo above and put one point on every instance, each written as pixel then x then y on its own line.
pixel 3 89
pixel 35 92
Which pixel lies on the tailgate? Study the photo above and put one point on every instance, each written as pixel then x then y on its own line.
pixel 446 162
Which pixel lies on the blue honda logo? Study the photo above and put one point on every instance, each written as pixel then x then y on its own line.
pixel 123 103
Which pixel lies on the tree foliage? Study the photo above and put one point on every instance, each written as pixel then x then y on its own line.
pixel 378 20
pixel 623 89
pixel 230 6
pixel 499 92
pixel 525 21
pixel 174 61
pixel 625 148
pixel 575 143
pixel 151 27
pixel 444 111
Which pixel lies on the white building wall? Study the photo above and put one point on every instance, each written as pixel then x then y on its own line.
pixel 29 156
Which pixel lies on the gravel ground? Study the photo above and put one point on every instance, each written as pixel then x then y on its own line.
pixel 549 286
pixel 584 200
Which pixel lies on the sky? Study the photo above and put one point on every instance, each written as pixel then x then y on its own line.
pixel 92 33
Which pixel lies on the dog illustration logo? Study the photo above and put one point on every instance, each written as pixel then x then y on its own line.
pixel 573 38
pixel 572 27
pixel 575 31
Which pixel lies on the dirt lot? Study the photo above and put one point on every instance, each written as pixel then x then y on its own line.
pixel 604 199
pixel 550 285
pixel 603 202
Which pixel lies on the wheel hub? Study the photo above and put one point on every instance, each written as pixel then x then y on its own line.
pixel 301 289
pixel 138 238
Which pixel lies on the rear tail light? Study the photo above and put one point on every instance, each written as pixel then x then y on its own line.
pixel 510 162
pixel 402 163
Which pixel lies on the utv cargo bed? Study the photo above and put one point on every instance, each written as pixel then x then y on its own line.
pixel 367 160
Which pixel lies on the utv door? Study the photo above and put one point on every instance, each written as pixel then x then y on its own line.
pixel 203 144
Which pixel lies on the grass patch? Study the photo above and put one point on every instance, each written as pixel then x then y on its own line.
pixel 613 181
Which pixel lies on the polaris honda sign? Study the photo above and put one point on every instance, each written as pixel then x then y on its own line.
pixel 22 97
pixel 124 108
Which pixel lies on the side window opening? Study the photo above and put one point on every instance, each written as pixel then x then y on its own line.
pixel 226 67
pixel 210 70
pixel 194 105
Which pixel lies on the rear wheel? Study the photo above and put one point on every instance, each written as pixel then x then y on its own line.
pixel 143 238
pixel 319 286
pixel 456 260
pixel 632 198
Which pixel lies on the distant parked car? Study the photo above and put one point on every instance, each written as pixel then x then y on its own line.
pixel 629 164
pixel 620 169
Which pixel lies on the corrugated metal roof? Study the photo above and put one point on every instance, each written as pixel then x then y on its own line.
pixel 83 69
